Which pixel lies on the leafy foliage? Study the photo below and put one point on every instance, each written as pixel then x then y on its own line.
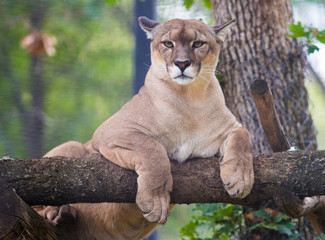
pixel 214 221
pixel 322 237
pixel 226 221
pixel 308 34
pixel 280 223
pixel 188 3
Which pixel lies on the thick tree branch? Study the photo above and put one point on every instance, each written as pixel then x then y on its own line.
pixel 92 178
pixel 19 221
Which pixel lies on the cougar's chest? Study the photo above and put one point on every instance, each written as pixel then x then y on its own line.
pixel 192 136
pixel 191 145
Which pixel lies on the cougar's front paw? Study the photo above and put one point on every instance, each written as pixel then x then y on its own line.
pixel 65 214
pixel 237 177
pixel 154 200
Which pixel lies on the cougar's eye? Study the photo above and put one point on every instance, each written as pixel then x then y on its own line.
pixel 197 44
pixel 168 44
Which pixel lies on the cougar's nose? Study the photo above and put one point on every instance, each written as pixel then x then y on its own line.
pixel 182 65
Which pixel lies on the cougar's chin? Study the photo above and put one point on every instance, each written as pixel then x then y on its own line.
pixel 183 80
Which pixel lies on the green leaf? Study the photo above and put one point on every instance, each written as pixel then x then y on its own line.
pixel 284 229
pixel 189 230
pixel 280 218
pixel 311 48
pixel 262 225
pixel 188 3
pixel 262 214
pixel 297 30
pixel 220 77
pixel 221 236
pixel 207 4
pixel 321 36
pixel 272 227
pixel 294 236
pixel 227 210
pixel 256 226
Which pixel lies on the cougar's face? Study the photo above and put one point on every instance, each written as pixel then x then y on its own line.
pixel 184 50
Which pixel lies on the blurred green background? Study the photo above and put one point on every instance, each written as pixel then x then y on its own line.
pixel 90 76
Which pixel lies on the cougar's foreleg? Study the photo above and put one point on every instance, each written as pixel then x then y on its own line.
pixel 150 161
pixel 236 165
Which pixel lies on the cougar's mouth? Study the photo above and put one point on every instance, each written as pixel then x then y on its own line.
pixel 183 76
pixel 183 79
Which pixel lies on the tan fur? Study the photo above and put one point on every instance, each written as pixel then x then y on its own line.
pixel 171 117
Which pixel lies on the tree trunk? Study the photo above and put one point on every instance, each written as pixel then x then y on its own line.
pixel 34 124
pixel 258 48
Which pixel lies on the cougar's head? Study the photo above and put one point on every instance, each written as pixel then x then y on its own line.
pixel 184 50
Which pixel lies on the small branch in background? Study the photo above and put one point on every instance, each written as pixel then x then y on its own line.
pixel 268 117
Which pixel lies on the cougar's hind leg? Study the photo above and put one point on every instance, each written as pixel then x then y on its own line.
pixel 66 213
pixel 68 149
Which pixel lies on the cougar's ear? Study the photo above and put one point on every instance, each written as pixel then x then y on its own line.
pixel 147 25
pixel 222 30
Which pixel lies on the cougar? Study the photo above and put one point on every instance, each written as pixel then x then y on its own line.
pixel 179 113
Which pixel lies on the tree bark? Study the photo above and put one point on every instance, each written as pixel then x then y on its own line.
pixel 34 123
pixel 91 178
pixel 257 48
